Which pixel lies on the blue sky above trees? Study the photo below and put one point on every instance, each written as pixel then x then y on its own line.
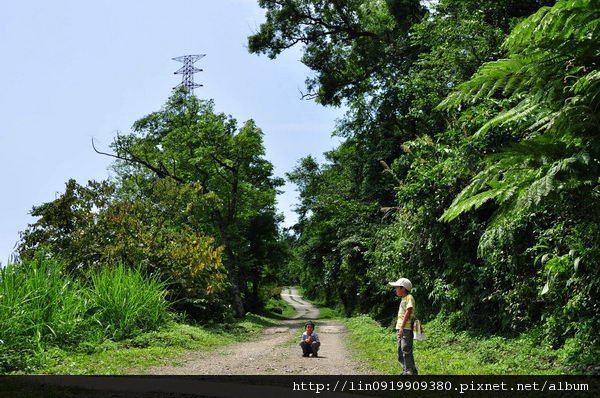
pixel 74 71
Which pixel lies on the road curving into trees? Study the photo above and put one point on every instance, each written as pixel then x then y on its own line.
pixel 276 350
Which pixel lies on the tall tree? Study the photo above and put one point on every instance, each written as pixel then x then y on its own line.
pixel 350 44
pixel 191 143
pixel 391 62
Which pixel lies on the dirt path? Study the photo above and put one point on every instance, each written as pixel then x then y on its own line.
pixel 276 350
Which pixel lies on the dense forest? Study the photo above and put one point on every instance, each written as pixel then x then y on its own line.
pixel 469 164
pixel 470 160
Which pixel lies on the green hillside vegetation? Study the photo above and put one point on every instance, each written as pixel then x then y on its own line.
pixel 469 162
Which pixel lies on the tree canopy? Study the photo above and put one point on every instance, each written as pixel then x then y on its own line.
pixel 193 197
pixel 469 162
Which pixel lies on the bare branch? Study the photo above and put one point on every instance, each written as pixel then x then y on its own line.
pixel 308 96
pixel 160 171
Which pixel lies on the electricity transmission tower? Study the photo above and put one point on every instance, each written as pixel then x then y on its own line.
pixel 187 70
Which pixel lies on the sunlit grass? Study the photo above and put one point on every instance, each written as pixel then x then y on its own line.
pixel 324 311
pixel 329 313
pixel 161 347
pixel 127 301
pixel 41 308
pixel 449 353
pixel 39 305
pixel 279 308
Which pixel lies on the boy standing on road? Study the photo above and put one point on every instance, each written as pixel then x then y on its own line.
pixel 309 341
pixel 404 326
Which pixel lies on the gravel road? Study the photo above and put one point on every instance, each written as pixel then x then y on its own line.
pixel 276 351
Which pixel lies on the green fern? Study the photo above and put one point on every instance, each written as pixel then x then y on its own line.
pixel 565 23
pixel 551 76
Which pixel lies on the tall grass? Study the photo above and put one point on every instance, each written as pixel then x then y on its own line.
pixel 127 301
pixel 41 306
pixel 38 305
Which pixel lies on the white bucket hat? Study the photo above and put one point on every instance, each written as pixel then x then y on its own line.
pixel 402 282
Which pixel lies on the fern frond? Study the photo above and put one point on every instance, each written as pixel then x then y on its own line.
pixel 543 122
pixel 500 229
pixel 588 84
pixel 530 195
pixel 521 111
pixel 489 79
pixel 567 20
pixel 487 177
pixel 470 203
pixel 546 184
pixel 539 48
pixel 523 175
pixel 551 75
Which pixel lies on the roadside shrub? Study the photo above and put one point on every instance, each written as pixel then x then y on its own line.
pixel 42 307
pixel 125 301
pixel 39 304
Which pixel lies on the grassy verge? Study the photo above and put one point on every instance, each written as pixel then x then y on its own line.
pixel 160 347
pixel 117 322
pixel 329 313
pixel 41 307
pixel 450 353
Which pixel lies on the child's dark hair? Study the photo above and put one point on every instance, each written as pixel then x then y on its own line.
pixel 310 323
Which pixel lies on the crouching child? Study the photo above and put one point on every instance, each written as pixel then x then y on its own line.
pixel 309 341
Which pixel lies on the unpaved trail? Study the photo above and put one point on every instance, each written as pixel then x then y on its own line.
pixel 276 350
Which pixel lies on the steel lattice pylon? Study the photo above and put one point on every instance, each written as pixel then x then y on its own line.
pixel 187 70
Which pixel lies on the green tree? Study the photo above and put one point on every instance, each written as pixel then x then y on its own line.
pixel 193 199
pixel 544 186
pixel 88 227
pixel 191 143
pixel 342 38
pixel 391 66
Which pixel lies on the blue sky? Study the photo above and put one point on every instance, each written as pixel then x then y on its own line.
pixel 73 70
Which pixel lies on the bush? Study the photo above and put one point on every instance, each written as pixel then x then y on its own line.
pixel 38 305
pixel 43 307
pixel 127 302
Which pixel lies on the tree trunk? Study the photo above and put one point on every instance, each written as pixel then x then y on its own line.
pixel 235 284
